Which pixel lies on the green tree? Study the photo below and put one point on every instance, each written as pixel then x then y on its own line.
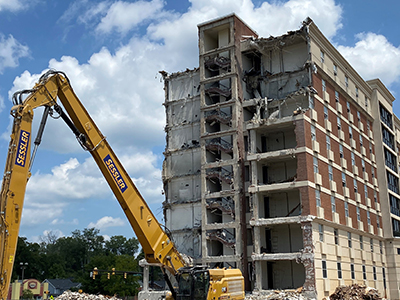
pixel 27 294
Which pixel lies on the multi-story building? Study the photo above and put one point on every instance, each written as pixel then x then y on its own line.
pixel 283 162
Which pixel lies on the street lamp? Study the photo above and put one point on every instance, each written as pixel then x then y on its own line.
pixel 23 267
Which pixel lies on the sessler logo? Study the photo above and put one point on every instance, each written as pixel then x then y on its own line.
pixel 115 173
pixel 22 148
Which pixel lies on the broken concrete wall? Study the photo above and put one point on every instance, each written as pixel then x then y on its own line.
pixel 185 228
pixel 182 163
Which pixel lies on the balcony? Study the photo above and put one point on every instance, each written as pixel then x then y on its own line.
pixel 314 115
pixel 326 96
pixel 328 125
pixel 331 155
pixel 346 192
pixel 343 163
pixel 351 118
pixel 318 178
pixel 339 108
pixel 341 134
pixel 332 185
pixel 320 212
pixel 315 146
pixel 355 170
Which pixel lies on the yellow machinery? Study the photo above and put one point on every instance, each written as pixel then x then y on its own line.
pixel 193 282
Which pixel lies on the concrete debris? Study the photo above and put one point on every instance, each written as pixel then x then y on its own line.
pixel 278 295
pixel 68 295
pixel 355 292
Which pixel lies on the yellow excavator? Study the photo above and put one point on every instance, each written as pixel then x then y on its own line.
pixel 192 282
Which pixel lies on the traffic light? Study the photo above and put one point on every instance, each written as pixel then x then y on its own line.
pixel 125 275
pixel 108 275
pixel 113 271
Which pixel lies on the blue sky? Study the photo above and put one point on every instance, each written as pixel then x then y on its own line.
pixel 112 52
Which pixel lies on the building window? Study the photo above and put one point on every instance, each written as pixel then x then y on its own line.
pixel 321 232
pixel 326 113
pixel 356 92
pixel 341 150
pixel 355 185
pixel 374 272
pixel 323 85
pixel 353 274
pixel 346 209
pixel 346 81
pixel 370 148
pixel 388 138
pixel 371 244
pixel 350 132
pixel 365 191
pixel 368 126
pixel 361 243
pixel 358 214
pixel 343 179
pixel 364 272
pixel 311 102
pixel 378 223
pixel 380 247
pixel 339 123
pixel 322 57
pixel 348 106
pixel 328 143
pixel 324 269
pixel 349 244
pixel 363 164
pixel 333 204
pixel 336 96
pixel 373 172
pixel 361 140
pixel 336 236
pixel 335 70
pixel 315 163
pixel 386 116
pixel 330 171
pixel 353 159
pixel 313 133
pixel 375 196
pixel 366 102
pixel 358 116
pixel 384 277
pixel 318 196
pixel 393 182
pixel 368 217
pixel 339 270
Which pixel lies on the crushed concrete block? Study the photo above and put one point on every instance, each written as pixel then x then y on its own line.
pixel 355 292
pixel 68 295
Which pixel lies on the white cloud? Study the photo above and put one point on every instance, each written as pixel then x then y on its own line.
pixel 123 16
pixel 373 56
pixel 10 52
pixel 13 5
pixel 106 222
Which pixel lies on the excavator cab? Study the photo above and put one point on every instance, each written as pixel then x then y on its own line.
pixel 193 283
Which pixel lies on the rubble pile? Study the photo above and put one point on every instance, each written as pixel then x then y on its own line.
pixel 277 295
pixel 355 292
pixel 68 295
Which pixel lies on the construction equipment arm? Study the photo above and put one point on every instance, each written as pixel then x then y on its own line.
pixel 157 246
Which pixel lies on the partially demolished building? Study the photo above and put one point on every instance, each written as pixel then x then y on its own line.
pixel 282 161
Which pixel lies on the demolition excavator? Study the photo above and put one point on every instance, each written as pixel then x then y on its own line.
pixel 53 89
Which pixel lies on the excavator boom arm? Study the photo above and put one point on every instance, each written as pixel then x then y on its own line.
pixel 157 246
